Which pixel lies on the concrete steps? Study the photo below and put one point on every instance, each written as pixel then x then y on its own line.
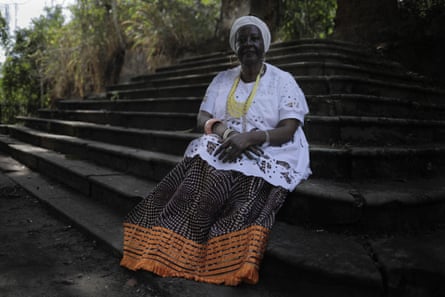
pixel 311 85
pixel 337 161
pixel 204 73
pixel 319 129
pixel 341 266
pixel 298 261
pixel 372 124
pixel 323 105
pixel 347 203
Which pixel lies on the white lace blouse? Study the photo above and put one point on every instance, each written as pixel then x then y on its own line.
pixel 278 97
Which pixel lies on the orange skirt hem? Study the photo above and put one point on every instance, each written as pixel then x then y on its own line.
pixel 228 259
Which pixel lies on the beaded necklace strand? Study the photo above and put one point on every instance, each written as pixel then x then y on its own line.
pixel 239 109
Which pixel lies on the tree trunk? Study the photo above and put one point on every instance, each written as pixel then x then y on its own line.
pixel 267 10
pixel 370 21
pixel 230 11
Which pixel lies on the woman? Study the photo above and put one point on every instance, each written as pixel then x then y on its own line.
pixel 210 217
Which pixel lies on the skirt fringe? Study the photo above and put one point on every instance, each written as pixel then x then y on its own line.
pixel 229 259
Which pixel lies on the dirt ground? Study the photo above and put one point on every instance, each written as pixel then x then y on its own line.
pixel 45 257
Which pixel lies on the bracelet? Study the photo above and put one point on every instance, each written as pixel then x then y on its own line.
pixel 209 125
pixel 227 133
pixel 267 141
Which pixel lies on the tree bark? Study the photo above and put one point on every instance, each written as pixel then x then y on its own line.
pixel 230 11
pixel 267 10
pixel 370 21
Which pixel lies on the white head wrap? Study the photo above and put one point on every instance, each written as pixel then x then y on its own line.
pixel 250 20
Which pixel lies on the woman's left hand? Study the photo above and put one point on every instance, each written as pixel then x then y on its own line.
pixel 235 146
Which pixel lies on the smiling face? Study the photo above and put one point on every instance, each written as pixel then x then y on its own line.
pixel 249 45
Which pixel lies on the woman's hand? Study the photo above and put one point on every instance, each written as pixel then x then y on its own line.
pixel 235 146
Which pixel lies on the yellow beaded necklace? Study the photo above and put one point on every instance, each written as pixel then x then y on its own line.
pixel 239 109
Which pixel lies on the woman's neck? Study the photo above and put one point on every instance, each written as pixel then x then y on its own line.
pixel 250 72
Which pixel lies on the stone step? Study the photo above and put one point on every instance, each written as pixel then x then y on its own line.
pixel 92 180
pixel 375 131
pixel 143 163
pixel 370 206
pixel 297 260
pixel 328 105
pixel 295 46
pixel 326 161
pixel 314 85
pixel 205 73
pixel 174 78
pixel 173 104
pixel 355 130
pixel 175 121
pixel 374 106
pixel 217 63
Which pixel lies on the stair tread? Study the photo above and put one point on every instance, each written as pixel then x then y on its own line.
pixel 330 78
pixel 136 113
pixel 124 150
pixel 310 117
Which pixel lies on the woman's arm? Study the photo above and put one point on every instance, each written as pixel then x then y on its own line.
pixel 203 117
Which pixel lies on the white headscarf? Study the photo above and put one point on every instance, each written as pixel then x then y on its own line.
pixel 250 20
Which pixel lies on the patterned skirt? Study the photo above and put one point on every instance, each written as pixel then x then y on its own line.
pixel 203 224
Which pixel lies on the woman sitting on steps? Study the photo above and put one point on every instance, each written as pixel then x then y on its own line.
pixel 209 218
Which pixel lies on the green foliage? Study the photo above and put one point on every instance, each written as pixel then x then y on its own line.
pixel 77 59
pixel 307 19
pixel 56 60
pixel 422 8
pixel 4 36
pixel 22 83
pixel 53 59
pixel 164 29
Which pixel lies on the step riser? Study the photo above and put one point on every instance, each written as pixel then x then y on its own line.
pixel 154 169
pixel 304 69
pixel 382 89
pixel 358 133
pixel 310 86
pixel 168 144
pixel 132 121
pixel 87 186
pixel 317 131
pixel 188 91
pixel 229 62
pixel 285 51
pixel 300 70
pixel 373 108
pixel 345 85
pixel 184 105
pixel 328 106
pixel 300 208
pixel 298 46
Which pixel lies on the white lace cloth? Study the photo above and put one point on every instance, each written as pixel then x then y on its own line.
pixel 278 97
